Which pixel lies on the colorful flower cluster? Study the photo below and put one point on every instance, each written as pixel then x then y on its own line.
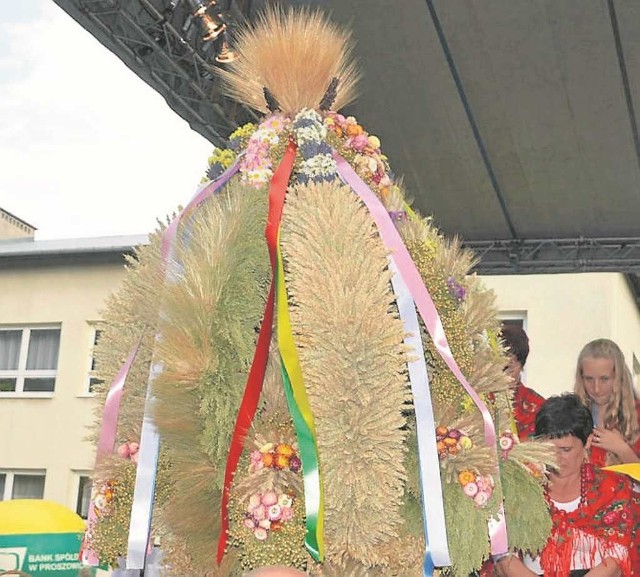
pixel 273 456
pixel 267 512
pixel 451 441
pixel 477 487
pixel 219 161
pixel 129 451
pixel 310 134
pixel 222 158
pixel 102 498
pixel 363 150
pixel 255 167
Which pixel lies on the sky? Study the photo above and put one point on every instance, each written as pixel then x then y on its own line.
pixel 86 147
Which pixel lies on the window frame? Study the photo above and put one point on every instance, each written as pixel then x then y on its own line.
pixel 22 373
pixel 9 481
pixel 91 381
pixel 83 478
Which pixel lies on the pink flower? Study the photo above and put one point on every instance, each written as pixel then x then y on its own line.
pixel 274 512
pixel 269 498
pixel 123 451
pixel 359 142
pixel 481 498
pixel 256 456
pixel 249 523
pixel 259 513
pixel 265 524
pixel 286 514
pixel 485 483
pixel 260 534
pixel 506 442
pixel 470 489
pixel 254 501
pixel 276 122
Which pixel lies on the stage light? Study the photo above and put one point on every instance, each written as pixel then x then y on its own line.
pixel 212 24
pixel 225 54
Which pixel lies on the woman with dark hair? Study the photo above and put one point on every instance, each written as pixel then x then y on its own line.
pixel 526 401
pixel 594 512
pixel 604 383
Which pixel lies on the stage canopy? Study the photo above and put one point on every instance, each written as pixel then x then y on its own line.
pixel 515 123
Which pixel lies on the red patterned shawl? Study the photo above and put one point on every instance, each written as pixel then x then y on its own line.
pixel 608 513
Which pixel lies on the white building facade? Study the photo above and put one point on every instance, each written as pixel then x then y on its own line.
pixel 563 312
pixel 51 296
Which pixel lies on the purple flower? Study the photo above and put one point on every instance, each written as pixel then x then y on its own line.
pixel 215 170
pixel 303 123
pixel 309 149
pixel 456 290
pixel 235 143
pixel 398 215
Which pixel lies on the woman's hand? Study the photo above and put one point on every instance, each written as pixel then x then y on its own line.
pixel 608 568
pixel 512 566
pixel 614 442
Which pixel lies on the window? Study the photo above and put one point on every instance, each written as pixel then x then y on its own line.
pixel 28 359
pixel 513 323
pixel 21 485
pixel 93 380
pixel 84 496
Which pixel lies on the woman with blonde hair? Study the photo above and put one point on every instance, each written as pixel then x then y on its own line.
pixel 604 383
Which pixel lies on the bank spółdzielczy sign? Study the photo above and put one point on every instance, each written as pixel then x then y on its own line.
pixel 42 554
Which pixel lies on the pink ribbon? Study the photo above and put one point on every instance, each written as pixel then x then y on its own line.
pixel 107 437
pixel 428 312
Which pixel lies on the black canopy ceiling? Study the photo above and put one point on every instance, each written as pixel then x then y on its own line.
pixel 513 122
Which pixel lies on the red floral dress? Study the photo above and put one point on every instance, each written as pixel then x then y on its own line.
pixel 607 520
pixel 599 455
pixel 526 403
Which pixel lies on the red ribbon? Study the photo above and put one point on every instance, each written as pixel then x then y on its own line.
pixel 249 404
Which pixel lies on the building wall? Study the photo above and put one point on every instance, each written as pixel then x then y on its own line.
pixel 47 432
pixel 12 227
pixel 561 314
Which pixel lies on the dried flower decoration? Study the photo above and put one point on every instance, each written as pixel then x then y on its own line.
pixel 451 441
pixel 270 456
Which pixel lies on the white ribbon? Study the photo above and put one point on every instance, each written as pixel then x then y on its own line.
pixel 142 508
pixel 435 528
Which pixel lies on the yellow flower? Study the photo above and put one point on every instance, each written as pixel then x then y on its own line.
pixel 286 450
pixel 374 142
pixel 466 477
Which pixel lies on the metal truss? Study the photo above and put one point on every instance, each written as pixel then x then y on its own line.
pixel 164 44
pixel 537 256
